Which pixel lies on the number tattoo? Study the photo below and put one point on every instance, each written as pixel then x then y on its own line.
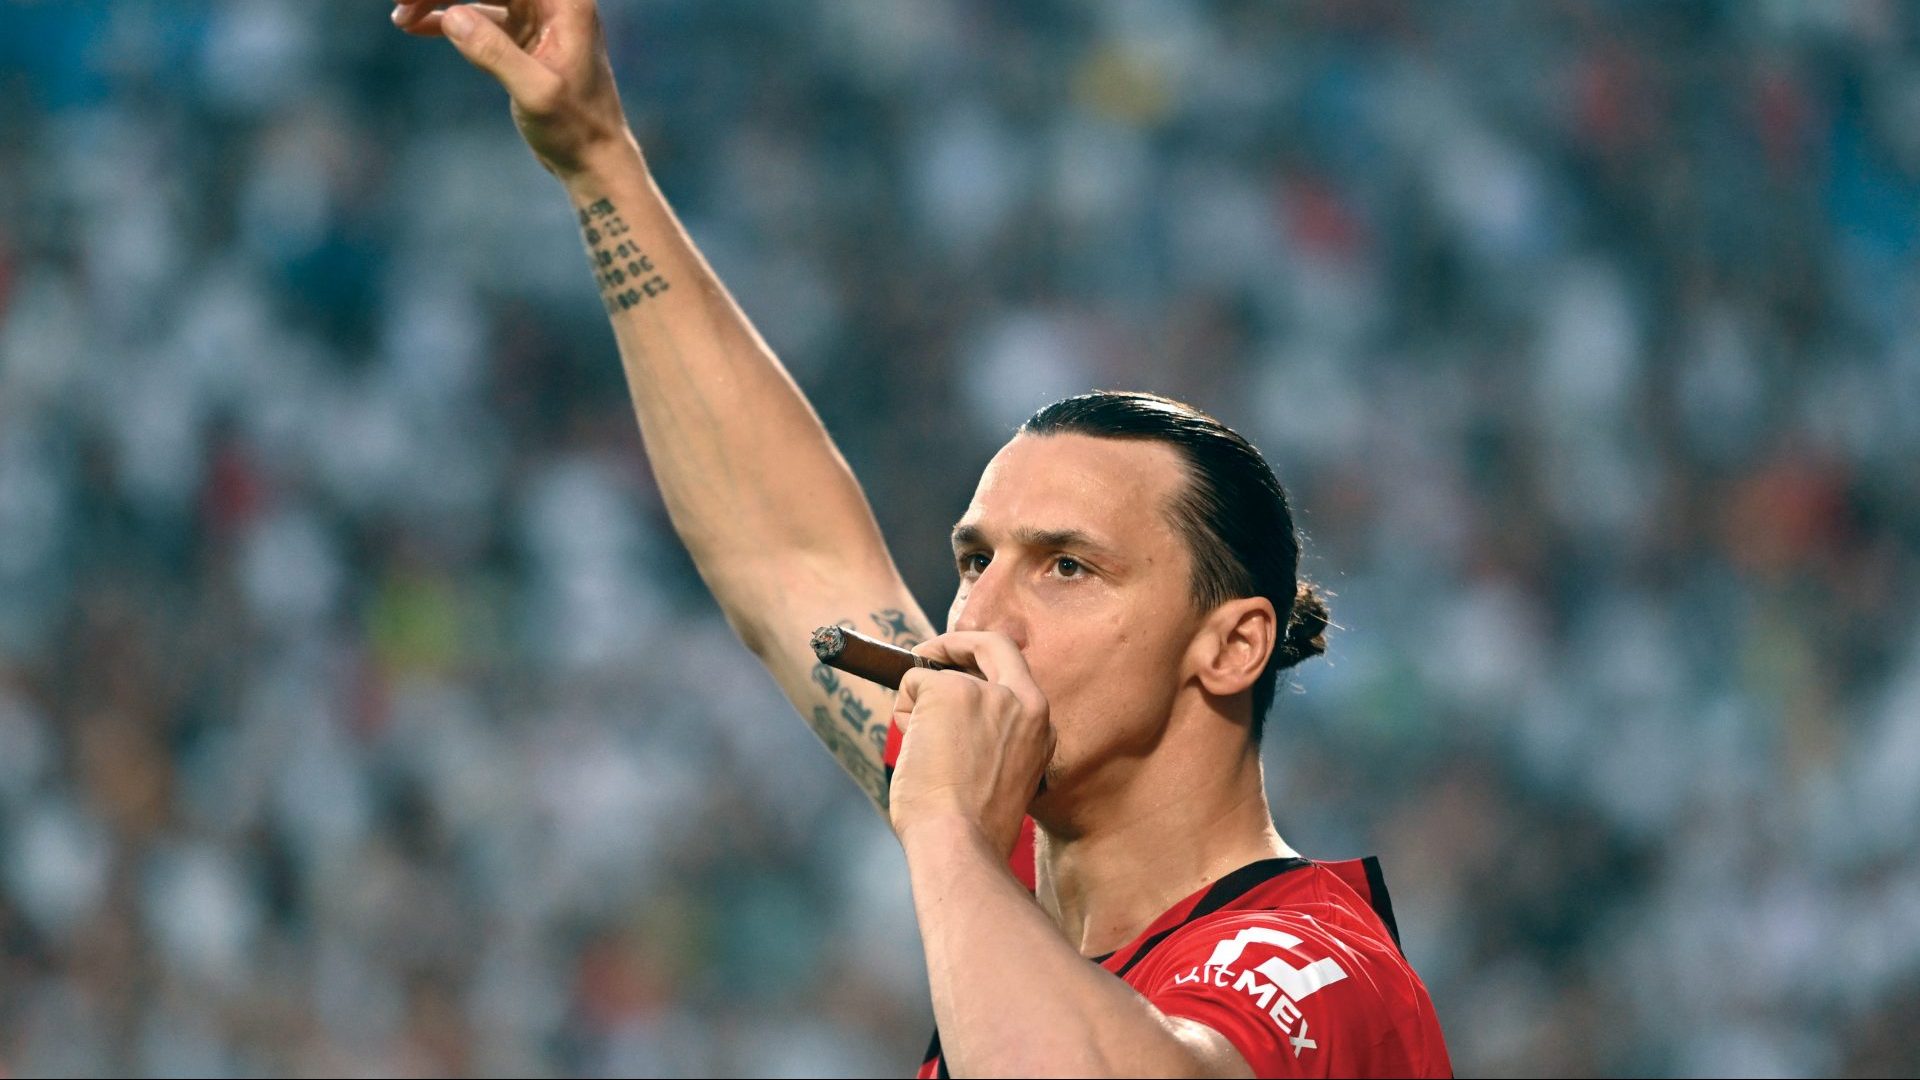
pixel 624 273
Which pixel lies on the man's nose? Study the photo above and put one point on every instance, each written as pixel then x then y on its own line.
pixel 993 603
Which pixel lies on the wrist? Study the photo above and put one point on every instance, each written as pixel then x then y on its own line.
pixel 603 164
pixel 943 832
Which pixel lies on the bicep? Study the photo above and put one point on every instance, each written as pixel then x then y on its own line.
pixel 848 715
pixel 1209 1050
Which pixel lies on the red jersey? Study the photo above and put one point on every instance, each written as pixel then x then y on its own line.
pixel 1295 962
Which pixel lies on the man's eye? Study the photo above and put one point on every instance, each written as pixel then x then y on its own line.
pixel 973 562
pixel 1068 566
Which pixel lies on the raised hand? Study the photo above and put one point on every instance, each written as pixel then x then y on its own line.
pixel 552 60
pixel 754 485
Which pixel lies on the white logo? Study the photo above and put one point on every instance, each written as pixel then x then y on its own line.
pixel 1285 987
pixel 1296 983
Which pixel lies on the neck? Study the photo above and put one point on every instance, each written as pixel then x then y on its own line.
pixel 1168 831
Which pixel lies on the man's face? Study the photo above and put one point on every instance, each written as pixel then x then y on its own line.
pixel 1068 549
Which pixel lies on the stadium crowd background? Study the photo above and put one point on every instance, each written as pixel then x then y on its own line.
pixel 359 713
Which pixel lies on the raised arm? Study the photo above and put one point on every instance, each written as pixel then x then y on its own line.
pixel 756 489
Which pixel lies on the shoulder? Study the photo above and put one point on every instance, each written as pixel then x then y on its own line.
pixel 1303 950
pixel 1314 987
pixel 1310 911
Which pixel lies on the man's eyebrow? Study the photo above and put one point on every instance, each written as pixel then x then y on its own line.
pixel 973 536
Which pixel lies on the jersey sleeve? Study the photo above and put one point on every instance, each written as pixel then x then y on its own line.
pixel 1282 987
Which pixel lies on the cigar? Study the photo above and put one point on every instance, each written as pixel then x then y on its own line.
pixel 857 654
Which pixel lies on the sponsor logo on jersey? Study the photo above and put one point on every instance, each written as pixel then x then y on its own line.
pixel 1276 986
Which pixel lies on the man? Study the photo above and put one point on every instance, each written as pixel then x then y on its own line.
pixel 1117 636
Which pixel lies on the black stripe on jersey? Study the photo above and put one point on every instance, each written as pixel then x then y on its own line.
pixel 1224 892
pixel 1377 896
pixel 933 1054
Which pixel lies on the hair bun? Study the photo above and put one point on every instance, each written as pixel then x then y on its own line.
pixel 1306 626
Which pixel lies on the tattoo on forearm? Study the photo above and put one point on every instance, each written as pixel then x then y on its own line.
pixel 625 274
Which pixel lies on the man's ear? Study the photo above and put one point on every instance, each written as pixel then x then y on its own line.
pixel 1234 643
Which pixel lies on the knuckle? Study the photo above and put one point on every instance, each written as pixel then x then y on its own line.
pixel 542 95
pixel 932 685
pixel 486 51
pixel 1034 714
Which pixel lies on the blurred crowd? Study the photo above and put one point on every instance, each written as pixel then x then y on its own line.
pixel 360 714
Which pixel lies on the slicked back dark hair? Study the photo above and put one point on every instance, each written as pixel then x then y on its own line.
pixel 1233 513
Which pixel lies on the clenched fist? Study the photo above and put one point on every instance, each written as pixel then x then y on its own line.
pixel 972 747
pixel 552 60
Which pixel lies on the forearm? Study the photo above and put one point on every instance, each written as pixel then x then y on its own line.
pixel 1010 995
pixel 748 473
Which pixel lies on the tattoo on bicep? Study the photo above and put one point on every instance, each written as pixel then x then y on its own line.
pixel 896 627
pixel 625 274
pixel 866 771
pixel 852 710
pixel 845 724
